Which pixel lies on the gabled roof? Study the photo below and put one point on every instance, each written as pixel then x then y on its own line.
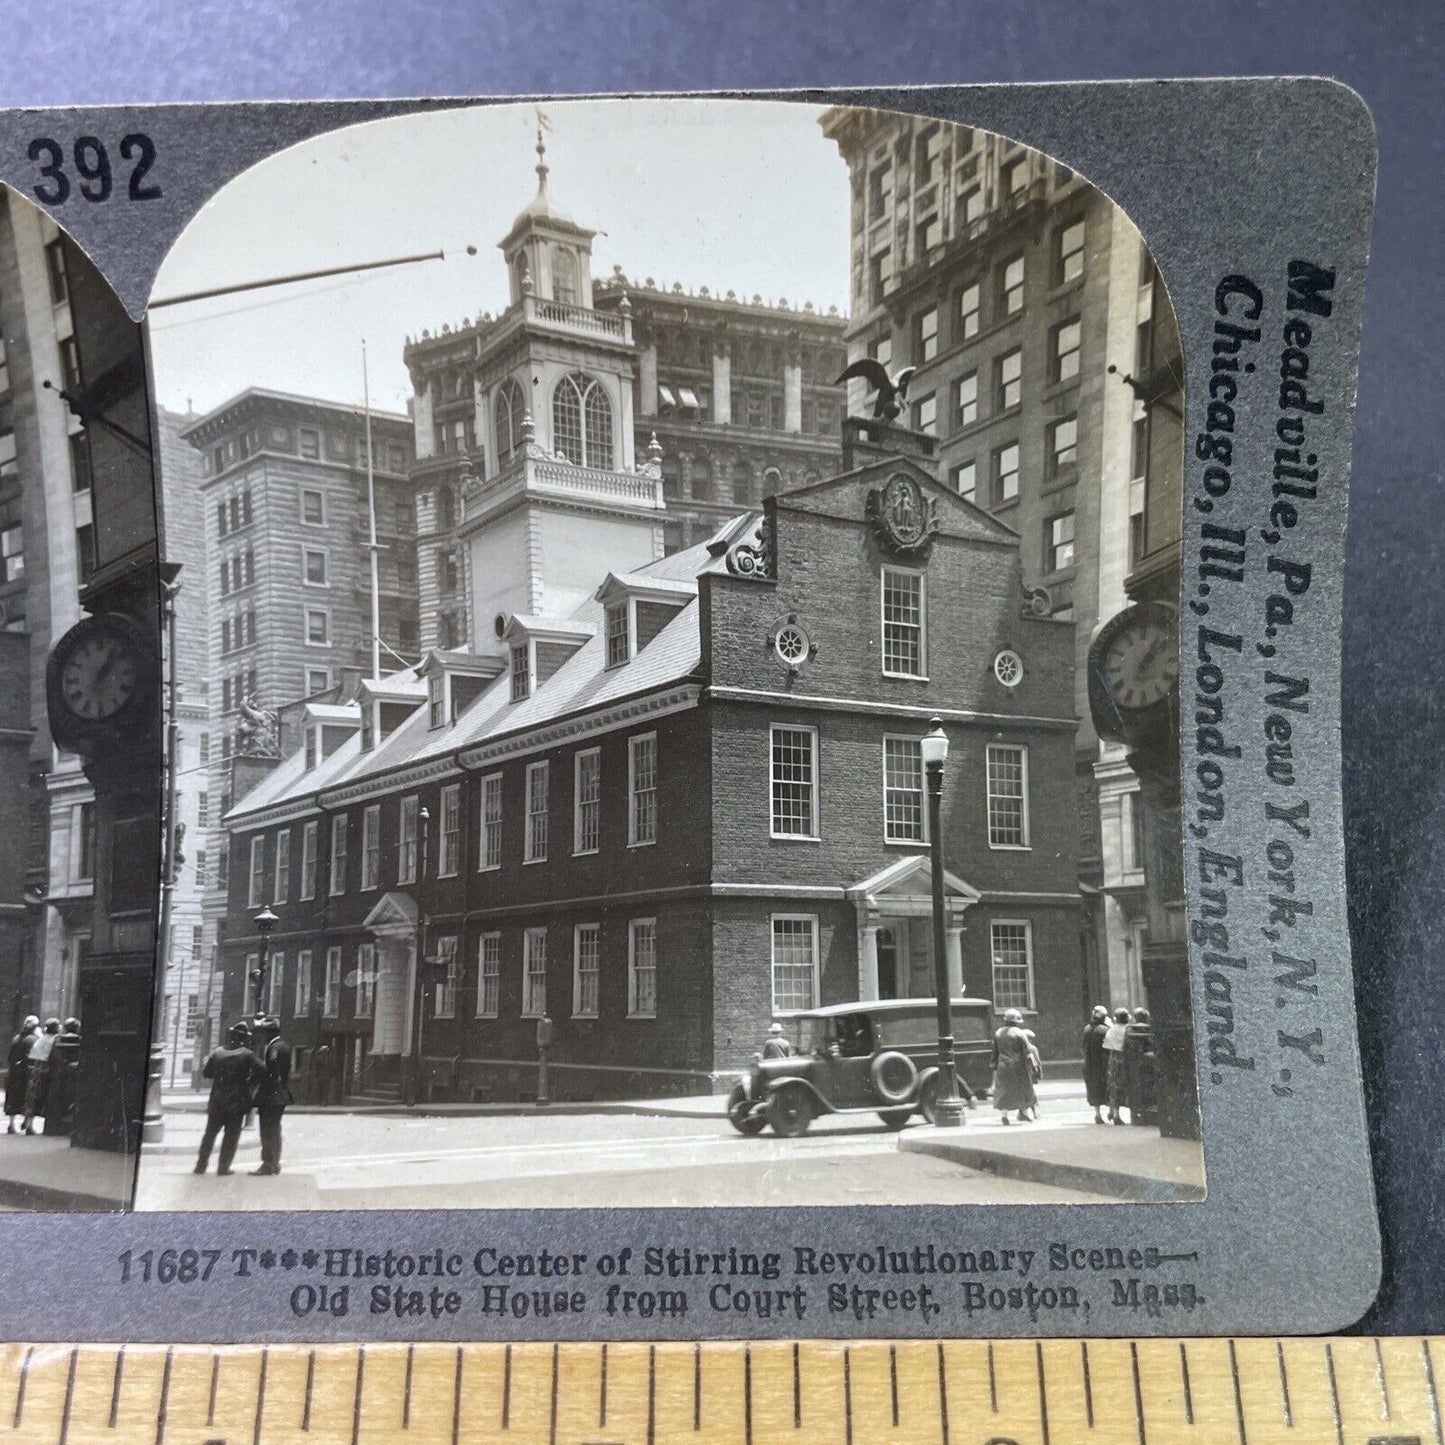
pixel 645 584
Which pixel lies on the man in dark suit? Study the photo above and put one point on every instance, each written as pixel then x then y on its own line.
pixel 235 1072
pixel 273 1095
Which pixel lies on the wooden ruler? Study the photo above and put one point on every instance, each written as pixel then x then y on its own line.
pixel 916 1392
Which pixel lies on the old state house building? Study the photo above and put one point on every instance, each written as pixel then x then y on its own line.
pixel 689 805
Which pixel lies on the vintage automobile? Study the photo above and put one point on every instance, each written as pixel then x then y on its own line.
pixel 879 1057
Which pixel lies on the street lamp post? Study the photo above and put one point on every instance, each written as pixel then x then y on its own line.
pixel 948 1108
pixel 264 921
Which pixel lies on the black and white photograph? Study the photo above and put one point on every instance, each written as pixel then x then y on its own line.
pixel 674 672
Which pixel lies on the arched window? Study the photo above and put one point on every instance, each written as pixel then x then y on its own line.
pixel 582 421
pixel 700 473
pixel 772 482
pixel 564 277
pixel 511 408
pixel 743 483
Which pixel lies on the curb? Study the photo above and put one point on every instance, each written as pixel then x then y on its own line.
pixel 1112 1183
pixel 20 1194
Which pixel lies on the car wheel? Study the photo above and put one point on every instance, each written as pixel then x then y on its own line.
pixel 927 1097
pixel 895 1119
pixel 894 1076
pixel 740 1114
pixel 790 1110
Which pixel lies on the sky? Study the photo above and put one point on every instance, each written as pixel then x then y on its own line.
pixel 743 196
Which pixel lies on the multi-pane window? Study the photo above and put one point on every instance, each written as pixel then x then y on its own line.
pixel 582 421
pixel 338 854
pixel 283 866
pixel 903 623
pixel 587 801
pixel 1006 472
pixel 1063 445
pixel 1011 286
pixel 308 860
pixel 511 409
pixel 449 853
pixel 521 671
pixel 315 567
pixel 275 982
pixel 371 847
pixel 534 973
pixel 1014 176
pixel 619 635
pixel 55 269
pixel 969 305
pixel 313 508
pixel 642 968
pixel 203 809
pixel 795 962
pixel 1008 796
pixel 446 995
pixel 331 989
pixel 1012 951
pixel 642 789
pixel 197 933
pixel 406 852
pixel 1008 380
pixel 1069 259
pixel 1059 541
pixel 925 414
pixel 365 980
pixel 489 975
pixel 490 848
pixel 436 700
pixel 302 1000
pixel 970 205
pixel 536 842
pixel 586 952
pixel 794 772
pixel 256 894
pixel 1064 362
pixel 967 399
pixel 965 479
pixel 926 347
pixel 310 443
pixel 903 811
pixel 318 627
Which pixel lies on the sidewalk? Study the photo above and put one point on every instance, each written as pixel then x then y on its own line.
pixel 37 1173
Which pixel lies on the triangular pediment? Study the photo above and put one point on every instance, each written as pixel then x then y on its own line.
pixel 855 495
pixel 911 877
pixel 392 912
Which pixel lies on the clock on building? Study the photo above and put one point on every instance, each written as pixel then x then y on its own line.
pixel 1134 674
pixel 101 683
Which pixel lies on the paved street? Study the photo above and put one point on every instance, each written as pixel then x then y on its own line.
pixel 339 1161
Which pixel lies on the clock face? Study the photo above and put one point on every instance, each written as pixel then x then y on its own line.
pixel 99 676
pixel 1142 662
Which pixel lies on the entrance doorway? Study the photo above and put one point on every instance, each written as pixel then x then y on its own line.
pixel 905 958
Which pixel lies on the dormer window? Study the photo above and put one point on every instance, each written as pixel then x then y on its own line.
pixel 619 634
pixel 368 727
pixel 436 697
pixel 311 735
pixel 521 671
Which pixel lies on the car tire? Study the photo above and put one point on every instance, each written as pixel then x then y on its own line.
pixel 790 1111
pixel 895 1119
pixel 894 1077
pixel 927 1097
pixel 740 1115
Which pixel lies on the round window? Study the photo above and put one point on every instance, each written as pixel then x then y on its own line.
pixel 1008 667
pixel 791 644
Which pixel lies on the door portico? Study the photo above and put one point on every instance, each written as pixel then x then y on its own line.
pixel 393 923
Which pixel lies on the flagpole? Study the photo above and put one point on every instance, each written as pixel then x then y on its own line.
pixel 371 513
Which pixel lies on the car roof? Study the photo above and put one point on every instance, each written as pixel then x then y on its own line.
pixel 888 1006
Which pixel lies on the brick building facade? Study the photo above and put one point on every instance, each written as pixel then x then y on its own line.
pixel 693 803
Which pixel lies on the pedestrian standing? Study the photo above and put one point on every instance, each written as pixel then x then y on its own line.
pixel 1114 1047
pixel 37 1072
pixel 778 1045
pixel 1015 1067
pixel 1096 1061
pixel 234 1072
pixel 16 1067
pixel 272 1096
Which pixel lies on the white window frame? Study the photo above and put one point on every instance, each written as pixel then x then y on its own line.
pixel 449 840
pixel 302 999
pixel 530 852
pixel 444 1001
pixel 956 479
pixel 331 985
pixel 365 1006
pixel 814 835
pixel 310 833
pixel 1023 752
pixel 489 972
pixel 970 317
pixel 922 840
pixel 635 1009
pixel 578 803
pixel 1028 928
pixel 594 932
pixel 371 848
pixel 281 868
pixel 1009 361
pixel 774 919
pixel 1063 257
pixel 256 879
pixel 530 939
pixel 321 497
pixel 521 678
pixel 489 859
pixel 628 610
pixel 966 402
pixel 1073 355
pixel 922 674
pixel 276 983
pixel 634 793
pixel 307 614
pixel 408 849
pixel 307 553
pixel 336 876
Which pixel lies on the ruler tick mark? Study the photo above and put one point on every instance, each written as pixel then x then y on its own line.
pixel 356 1398
pixel 1238 1397
pixel 1429 1380
pixel 260 1398
pixel 1043 1392
pixel 943 1389
pixel 215 1382
pixel 893 1380
pixel 457 1399
pixel 697 1387
pixel 1380 1379
pixel 406 1389
pixel 652 1394
pixel 165 1392
pixel 507 1388
pixel 748 1393
pixel 310 1382
pixel 556 1369
pixel 115 1388
pixel 1184 1375
pixel 992 1382
pixel 1284 1384
pixel 1088 1384
pixel 847 1397
pixel 70 1396
pixel 798 1387
pixel 1138 1390
pixel 1334 1393
pixel 602 1391
pixel 20 1389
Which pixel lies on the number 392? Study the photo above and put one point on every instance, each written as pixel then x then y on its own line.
pixel 95 176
